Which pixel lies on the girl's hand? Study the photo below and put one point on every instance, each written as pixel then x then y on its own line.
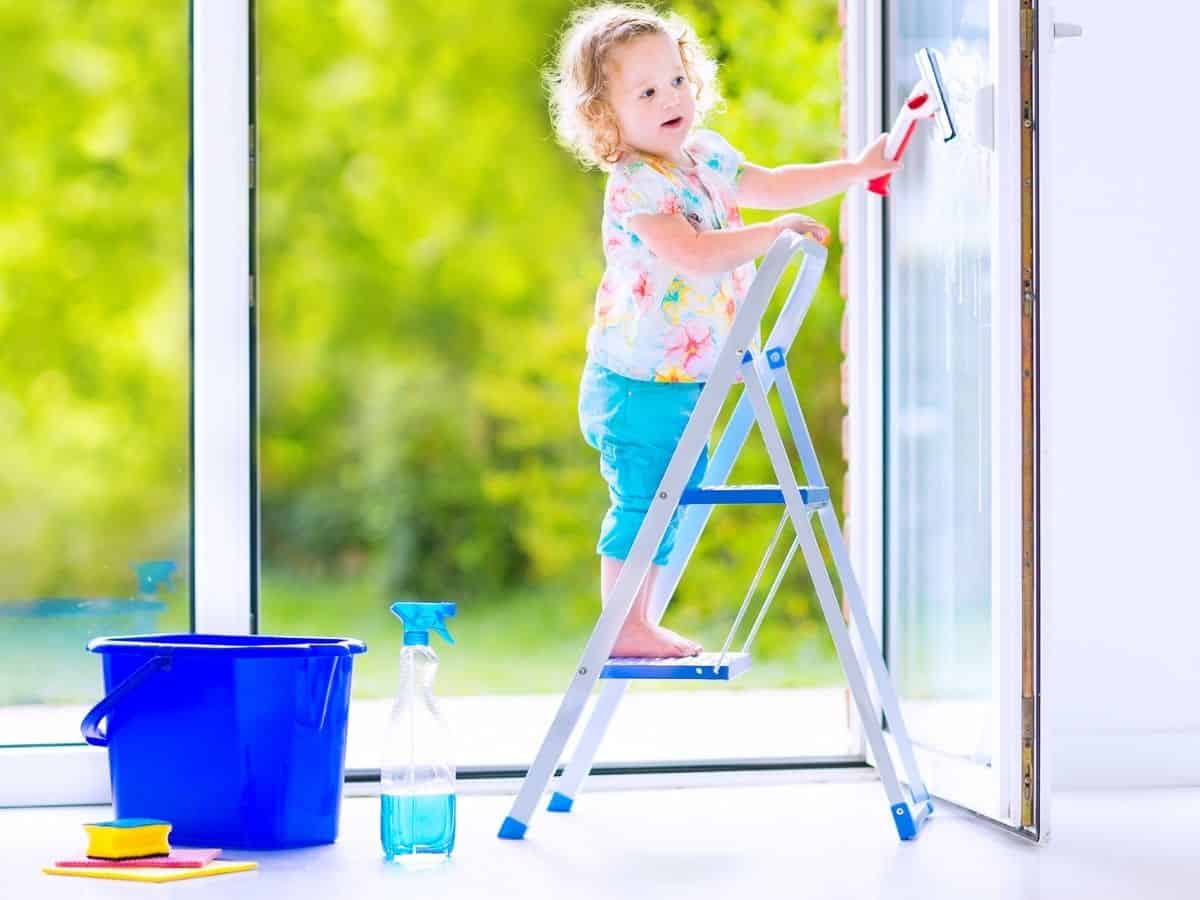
pixel 802 225
pixel 871 163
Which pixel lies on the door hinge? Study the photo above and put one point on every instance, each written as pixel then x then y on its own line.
pixel 1027 762
pixel 1028 26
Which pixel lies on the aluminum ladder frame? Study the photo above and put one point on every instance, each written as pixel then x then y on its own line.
pixel 760 372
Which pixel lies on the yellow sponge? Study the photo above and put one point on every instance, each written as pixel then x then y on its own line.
pixel 128 838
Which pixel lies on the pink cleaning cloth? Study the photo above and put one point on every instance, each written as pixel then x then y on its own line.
pixel 177 859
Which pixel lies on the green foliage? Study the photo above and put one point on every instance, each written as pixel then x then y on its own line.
pixel 428 262
pixel 93 294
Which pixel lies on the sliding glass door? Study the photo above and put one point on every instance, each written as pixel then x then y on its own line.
pixel 429 259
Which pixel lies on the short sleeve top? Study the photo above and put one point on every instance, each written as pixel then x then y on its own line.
pixel 652 322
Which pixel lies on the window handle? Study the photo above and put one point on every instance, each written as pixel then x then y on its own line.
pixel 1066 30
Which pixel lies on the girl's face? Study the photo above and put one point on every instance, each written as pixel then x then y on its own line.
pixel 651 96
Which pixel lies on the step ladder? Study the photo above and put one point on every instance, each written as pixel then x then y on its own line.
pixel 760 372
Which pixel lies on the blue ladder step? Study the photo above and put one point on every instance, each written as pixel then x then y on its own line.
pixel 813 497
pixel 701 667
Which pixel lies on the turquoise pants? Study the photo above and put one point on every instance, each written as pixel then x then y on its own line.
pixel 635 425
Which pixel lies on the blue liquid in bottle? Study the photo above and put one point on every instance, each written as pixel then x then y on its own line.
pixel 417 824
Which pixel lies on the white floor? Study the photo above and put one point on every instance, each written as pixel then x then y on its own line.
pixel 819 840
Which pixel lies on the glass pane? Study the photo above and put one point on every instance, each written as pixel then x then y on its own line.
pixel 429 260
pixel 94 325
pixel 938 388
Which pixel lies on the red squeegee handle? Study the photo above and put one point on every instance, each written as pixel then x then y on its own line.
pixel 880 185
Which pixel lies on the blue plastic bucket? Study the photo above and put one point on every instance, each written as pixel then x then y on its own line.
pixel 238 741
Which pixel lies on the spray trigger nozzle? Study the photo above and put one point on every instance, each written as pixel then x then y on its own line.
pixel 421 618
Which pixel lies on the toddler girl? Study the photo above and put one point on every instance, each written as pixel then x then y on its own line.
pixel 628 87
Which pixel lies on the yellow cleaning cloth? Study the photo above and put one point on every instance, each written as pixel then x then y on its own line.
pixel 128 838
pixel 157 875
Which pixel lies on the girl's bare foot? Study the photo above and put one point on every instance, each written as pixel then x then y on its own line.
pixel 692 647
pixel 638 638
pixel 641 640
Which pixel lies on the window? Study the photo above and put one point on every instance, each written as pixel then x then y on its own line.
pixel 412 220
pixel 429 259
pixel 94 377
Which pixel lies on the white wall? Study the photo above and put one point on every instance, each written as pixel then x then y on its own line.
pixel 1120 394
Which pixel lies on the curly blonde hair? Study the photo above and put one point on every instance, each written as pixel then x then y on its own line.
pixel 583 118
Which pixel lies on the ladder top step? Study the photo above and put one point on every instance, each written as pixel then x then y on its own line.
pixel 813 497
pixel 701 667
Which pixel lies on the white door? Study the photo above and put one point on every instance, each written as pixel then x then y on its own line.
pixel 943 418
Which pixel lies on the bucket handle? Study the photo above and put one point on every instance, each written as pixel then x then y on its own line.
pixel 90 727
pixel 339 650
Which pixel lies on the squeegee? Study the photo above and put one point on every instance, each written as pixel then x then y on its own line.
pixel 927 100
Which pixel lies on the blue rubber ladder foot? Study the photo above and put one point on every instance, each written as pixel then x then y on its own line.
pixel 910 817
pixel 560 803
pixel 512 830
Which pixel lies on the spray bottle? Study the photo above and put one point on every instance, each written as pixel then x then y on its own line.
pixel 417 808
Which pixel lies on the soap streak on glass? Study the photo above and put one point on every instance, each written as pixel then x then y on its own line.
pixel 964 173
pixel 938 387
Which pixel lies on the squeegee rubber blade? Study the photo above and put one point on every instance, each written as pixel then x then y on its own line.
pixel 931 72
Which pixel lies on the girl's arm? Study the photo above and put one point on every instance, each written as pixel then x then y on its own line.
pixel 673 239
pixel 787 187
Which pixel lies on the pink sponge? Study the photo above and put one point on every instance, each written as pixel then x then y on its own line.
pixel 177 859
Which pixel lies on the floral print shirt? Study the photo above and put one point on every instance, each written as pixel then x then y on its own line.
pixel 652 322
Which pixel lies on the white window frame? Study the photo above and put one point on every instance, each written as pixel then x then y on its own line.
pixel 862 223
pixel 223 504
